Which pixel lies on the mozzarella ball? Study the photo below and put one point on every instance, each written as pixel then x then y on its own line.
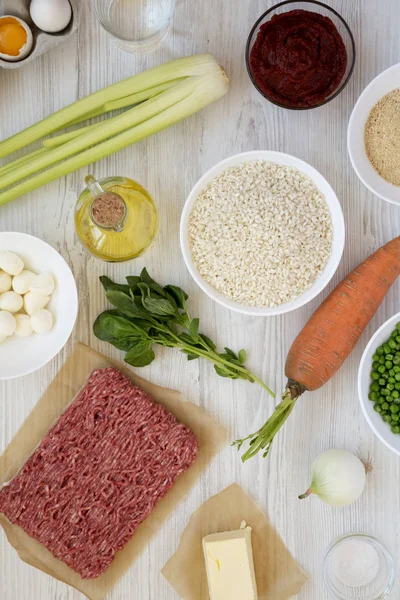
pixel 24 326
pixel 2 338
pixel 42 321
pixel 7 323
pixel 22 282
pixel 11 302
pixel 11 263
pixel 5 282
pixel 34 302
pixel 43 284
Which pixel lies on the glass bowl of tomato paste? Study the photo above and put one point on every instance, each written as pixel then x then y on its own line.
pixel 300 55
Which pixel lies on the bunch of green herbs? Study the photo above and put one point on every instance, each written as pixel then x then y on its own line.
pixel 146 314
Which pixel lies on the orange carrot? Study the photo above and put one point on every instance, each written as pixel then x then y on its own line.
pixel 330 335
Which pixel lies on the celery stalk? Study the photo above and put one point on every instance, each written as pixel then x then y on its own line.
pixel 101 131
pixel 208 88
pixel 196 65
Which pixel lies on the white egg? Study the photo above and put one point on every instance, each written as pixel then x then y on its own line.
pixel 11 302
pixel 22 282
pixel 42 321
pixel 16 39
pixel 51 15
pixel 11 263
pixel 5 282
pixel 34 302
pixel 24 326
pixel 43 284
pixel 8 323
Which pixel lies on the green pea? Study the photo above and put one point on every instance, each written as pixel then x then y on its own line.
pixel 388 365
pixel 395 429
pixel 396 369
pixel 390 386
pixel 385 392
pixel 397 385
pixel 389 398
pixel 398 326
pixel 386 348
pixel 373 396
pixel 382 360
pixel 391 344
pixel 395 418
pixel 388 357
pixel 379 350
pixel 381 369
pixel 395 394
pixel 375 387
pixel 381 382
pixel 397 338
pixel 391 380
pixel 396 400
pixel 397 376
pixel 392 373
pixel 385 406
pixel 395 408
pixel 375 375
pixel 381 399
pixel 376 357
pixel 385 375
pixel 375 364
pixel 384 412
pixel 387 418
pixel 378 408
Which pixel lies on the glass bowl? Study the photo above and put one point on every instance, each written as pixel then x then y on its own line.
pixel 316 7
pixel 378 589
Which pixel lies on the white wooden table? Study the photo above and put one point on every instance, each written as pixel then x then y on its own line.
pixel 168 165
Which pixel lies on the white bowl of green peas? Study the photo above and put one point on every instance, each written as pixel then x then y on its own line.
pixel 379 383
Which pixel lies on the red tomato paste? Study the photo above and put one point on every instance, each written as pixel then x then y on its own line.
pixel 298 59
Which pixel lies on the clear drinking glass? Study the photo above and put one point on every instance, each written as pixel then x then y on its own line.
pixel 135 25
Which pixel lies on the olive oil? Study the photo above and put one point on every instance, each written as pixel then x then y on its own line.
pixel 115 218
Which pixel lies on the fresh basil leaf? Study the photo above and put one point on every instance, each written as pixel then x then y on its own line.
pixel 209 342
pixel 158 289
pixel 230 352
pixel 154 304
pixel 133 281
pixel 140 354
pixel 242 356
pixel 145 277
pixel 225 372
pixel 110 285
pixel 194 330
pixel 179 295
pixel 120 327
pixel 126 305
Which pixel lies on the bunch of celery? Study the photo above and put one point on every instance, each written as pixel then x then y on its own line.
pixel 157 99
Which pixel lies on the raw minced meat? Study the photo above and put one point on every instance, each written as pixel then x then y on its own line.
pixel 98 473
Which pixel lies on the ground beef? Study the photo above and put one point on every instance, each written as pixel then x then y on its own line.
pixel 98 473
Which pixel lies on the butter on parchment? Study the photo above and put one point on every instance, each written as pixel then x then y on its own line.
pixel 229 565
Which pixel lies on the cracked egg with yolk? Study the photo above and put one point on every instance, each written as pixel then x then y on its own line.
pixel 16 38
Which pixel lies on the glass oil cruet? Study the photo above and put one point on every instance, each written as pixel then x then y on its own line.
pixel 115 218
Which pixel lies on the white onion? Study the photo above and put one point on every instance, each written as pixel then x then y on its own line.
pixel 337 478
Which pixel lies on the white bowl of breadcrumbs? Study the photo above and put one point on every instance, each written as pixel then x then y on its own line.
pixel 262 233
pixel 373 136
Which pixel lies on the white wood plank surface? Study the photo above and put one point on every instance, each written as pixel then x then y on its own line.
pixel 168 165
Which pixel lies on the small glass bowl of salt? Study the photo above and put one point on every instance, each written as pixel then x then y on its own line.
pixel 358 567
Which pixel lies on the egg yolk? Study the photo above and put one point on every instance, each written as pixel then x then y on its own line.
pixel 12 37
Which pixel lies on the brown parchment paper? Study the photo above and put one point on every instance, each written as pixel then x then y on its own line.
pixel 277 573
pixel 73 375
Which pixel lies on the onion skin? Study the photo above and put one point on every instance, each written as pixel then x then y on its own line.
pixel 337 478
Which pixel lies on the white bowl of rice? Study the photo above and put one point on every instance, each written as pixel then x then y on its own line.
pixel 262 233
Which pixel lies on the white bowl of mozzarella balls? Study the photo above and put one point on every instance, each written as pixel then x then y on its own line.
pixel 38 304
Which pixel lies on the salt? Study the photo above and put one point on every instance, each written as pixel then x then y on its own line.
pixel 355 562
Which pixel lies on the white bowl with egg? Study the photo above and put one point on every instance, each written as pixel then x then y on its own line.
pixel 23 355
pixel 383 84
pixel 337 226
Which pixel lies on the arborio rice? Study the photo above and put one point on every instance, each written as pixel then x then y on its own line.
pixel 261 233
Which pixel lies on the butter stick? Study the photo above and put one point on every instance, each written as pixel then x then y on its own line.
pixel 229 565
